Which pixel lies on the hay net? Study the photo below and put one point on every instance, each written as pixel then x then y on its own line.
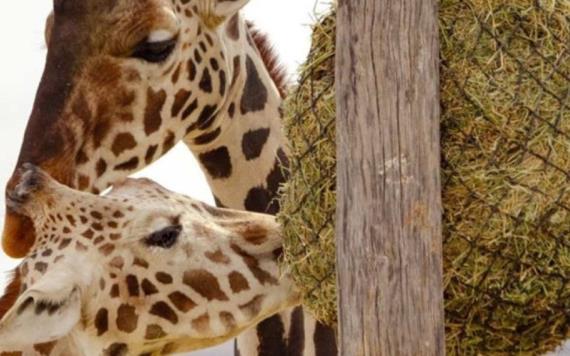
pixel 506 165
pixel 309 198
pixel 505 92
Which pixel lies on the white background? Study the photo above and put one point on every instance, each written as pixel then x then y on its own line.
pixel 21 65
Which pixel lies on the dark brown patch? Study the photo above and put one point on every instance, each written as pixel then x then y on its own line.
pixel 325 340
pixel 133 285
pixel 223 82
pixel 140 263
pixel 45 349
pixel 232 110
pixel 83 182
pixel 164 278
pixel 218 256
pixel 168 143
pixel 202 323
pixel 114 293
pixel 107 249
pixel 127 318
pixel 101 167
pixel 191 70
pixel 206 81
pixel 271 335
pixel 258 200
pixel 253 264
pixel 297 332
pixel 176 74
pixel 217 162
pixel 150 152
pixel 238 283
pixel 255 94
pixel 148 288
pixel 208 137
pixel 204 283
pixel 163 310
pixel 123 142
pixel 181 301
pixel 277 175
pixel 179 101
pixel 40 267
pixel 206 117
pixel 154 332
pixel 129 165
pixel 116 349
pixel 190 109
pixel 102 321
pixel 253 142
pixel 152 116
pixel 64 243
pixel 252 308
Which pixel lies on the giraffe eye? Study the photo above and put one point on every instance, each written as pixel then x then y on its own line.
pixel 164 238
pixel 154 51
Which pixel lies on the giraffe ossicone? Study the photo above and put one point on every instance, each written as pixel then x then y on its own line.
pixel 140 270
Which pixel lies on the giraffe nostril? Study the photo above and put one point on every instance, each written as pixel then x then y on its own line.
pixel 28 181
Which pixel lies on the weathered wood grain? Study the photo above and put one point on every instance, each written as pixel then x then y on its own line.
pixel 389 190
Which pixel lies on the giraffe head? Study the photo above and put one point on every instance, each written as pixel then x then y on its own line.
pixel 140 269
pixel 125 81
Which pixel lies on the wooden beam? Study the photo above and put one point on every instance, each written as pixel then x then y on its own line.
pixel 389 190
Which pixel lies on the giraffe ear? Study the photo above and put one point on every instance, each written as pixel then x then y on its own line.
pixel 216 12
pixel 43 313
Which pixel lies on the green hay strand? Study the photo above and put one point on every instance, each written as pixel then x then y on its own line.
pixel 505 91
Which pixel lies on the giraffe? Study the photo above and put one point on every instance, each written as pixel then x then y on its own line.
pixel 125 80
pixel 140 270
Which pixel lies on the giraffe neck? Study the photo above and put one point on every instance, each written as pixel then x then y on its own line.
pixel 242 153
pixel 242 158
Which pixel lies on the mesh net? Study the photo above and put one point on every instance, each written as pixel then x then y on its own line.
pixel 505 82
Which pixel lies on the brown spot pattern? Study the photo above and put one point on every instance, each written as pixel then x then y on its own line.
pixel 152 116
pixel 127 319
pixel 102 321
pixel 253 142
pixel 123 142
pixel 217 162
pixel 163 310
pixel 255 93
pixel 181 301
pixel 238 283
pixel 154 332
pixel 205 284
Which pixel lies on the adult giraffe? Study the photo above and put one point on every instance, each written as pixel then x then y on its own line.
pixel 127 79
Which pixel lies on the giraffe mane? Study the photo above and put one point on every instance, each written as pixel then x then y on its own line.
pixel 270 59
pixel 11 294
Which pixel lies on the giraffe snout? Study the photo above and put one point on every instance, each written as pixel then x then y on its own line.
pixel 29 180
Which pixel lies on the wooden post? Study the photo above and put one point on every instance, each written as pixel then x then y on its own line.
pixel 389 189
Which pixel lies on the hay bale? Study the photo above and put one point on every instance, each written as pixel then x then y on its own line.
pixel 309 199
pixel 506 164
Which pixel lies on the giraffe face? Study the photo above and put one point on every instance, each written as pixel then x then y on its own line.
pixel 141 269
pixel 124 81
